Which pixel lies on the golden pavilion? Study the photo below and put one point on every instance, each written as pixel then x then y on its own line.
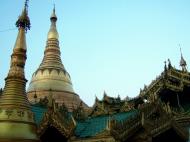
pixel 51 111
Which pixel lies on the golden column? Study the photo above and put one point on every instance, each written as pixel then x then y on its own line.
pixel 16 118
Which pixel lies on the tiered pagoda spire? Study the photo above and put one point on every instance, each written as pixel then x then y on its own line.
pixel 52 52
pixel 52 75
pixel 51 68
pixel 16 118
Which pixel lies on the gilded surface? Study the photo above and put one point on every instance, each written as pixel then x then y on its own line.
pixel 52 75
pixel 16 118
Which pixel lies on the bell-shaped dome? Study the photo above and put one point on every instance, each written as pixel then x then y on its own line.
pixel 54 79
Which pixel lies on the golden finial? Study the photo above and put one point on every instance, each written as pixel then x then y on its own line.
pixel 54 7
pixel 53 16
pixel 26 5
pixel 23 20
pixel 53 34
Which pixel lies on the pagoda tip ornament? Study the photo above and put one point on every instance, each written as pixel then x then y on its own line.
pixel 23 20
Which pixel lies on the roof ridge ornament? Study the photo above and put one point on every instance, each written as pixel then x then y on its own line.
pixel 169 64
pixel 183 63
pixel 165 66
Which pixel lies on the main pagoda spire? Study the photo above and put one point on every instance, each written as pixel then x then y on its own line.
pixel 52 54
pixel 16 118
pixel 52 75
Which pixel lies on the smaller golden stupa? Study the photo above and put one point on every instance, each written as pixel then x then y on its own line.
pixel 16 118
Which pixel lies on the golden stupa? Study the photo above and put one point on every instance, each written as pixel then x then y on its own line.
pixel 52 75
pixel 16 118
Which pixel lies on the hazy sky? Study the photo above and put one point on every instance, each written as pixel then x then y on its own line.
pixel 112 45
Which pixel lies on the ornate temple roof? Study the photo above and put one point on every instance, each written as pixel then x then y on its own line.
pixel 92 126
pixel 172 87
pixel 110 105
pixel 49 114
pixel 170 78
pixel 151 120
pixel 51 73
pixel 88 127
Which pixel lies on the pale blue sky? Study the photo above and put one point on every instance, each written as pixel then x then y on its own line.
pixel 112 45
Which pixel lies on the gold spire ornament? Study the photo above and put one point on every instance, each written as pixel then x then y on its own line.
pixel 16 118
pixel 53 34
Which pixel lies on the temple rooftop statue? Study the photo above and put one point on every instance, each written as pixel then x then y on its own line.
pixel 16 118
pixel 52 75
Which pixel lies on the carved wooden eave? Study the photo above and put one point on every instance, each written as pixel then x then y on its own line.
pixel 94 139
pixel 103 136
pixel 98 108
pixel 121 131
pixel 97 111
pixel 104 133
pixel 164 122
pixel 183 120
pixel 57 120
pixel 167 80
pixel 152 121
pixel 109 105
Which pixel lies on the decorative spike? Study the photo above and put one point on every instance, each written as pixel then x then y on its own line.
pixel 169 64
pixel 183 63
pixel 96 99
pixel 165 66
pixel 53 16
pixel 26 5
